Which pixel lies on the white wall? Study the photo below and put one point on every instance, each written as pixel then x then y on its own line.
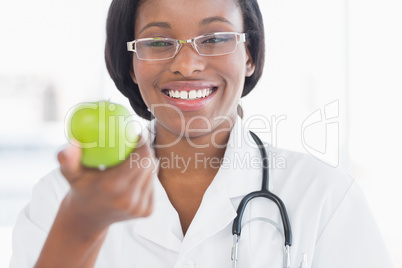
pixel 348 52
pixel 375 68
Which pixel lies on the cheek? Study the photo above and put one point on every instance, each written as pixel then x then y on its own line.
pixel 143 77
pixel 236 72
pixel 139 72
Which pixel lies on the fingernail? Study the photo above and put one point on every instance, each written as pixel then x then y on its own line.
pixel 68 150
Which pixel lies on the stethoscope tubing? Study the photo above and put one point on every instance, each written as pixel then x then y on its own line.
pixel 236 228
pixel 264 193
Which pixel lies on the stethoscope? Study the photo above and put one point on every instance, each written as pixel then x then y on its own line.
pixel 264 193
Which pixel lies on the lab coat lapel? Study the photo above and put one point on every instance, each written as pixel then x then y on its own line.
pixel 217 209
pixel 243 168
pixel 215 213
pixel 163 225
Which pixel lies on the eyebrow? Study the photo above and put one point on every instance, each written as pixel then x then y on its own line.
pixel 210 20
pixel 204 22
pixel 160 24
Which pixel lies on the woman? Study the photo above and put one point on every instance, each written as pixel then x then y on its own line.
pixel 182 215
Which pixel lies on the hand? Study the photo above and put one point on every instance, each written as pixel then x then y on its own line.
pixel 99 198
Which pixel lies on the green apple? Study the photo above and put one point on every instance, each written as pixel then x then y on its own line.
pixel 105 131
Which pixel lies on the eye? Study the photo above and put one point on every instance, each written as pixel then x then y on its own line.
pixel 215 40
pixel 159 43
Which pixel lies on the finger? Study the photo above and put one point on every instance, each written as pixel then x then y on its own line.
pixel 125 173
pixel 148 196
pixel 139 162
pixel 142 202
pixel 143 150
pixel 144 187
pixel 151 202
pixel 69 159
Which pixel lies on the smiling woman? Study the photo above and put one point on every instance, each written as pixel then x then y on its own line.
pixel 186 64
pixel 119 62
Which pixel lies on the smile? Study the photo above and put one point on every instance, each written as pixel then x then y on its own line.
pixel 190 95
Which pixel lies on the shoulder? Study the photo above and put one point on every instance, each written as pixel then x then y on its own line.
pixel 35 220
pixel 52 183
pixel 301 169
pixel 47 195
pixel 311 187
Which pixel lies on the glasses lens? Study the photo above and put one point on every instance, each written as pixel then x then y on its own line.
pixel 155 49
pixel 216 44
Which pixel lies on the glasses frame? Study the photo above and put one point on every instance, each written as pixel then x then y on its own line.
pixel 240 38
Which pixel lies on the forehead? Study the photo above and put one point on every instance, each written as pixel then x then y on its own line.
pixel 189 14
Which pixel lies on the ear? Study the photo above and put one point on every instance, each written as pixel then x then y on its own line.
pixel 250 66
pixel 132 74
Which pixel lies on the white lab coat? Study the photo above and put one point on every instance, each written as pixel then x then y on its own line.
pixel 329 216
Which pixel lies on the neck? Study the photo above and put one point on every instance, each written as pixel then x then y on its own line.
pixel 187 166
pixel 197 157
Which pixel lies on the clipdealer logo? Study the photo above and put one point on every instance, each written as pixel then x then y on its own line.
pixel 320 134
pixel 200 161
pixel 319 131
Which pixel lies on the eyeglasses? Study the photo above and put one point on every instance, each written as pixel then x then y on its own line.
pixel 214 44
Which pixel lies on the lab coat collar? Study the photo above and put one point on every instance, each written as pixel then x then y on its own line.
pixel 242 159
pixel 242 167
pixel 216 211
pixel 163 225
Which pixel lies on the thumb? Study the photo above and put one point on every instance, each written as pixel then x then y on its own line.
pixel 70 161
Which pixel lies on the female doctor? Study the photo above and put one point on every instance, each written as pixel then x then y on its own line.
pixel 180 214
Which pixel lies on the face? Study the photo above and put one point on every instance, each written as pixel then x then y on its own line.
pixel 223 76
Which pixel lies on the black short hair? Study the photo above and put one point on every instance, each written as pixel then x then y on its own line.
pixel 120 30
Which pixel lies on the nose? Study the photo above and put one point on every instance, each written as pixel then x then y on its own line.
pixel 187 61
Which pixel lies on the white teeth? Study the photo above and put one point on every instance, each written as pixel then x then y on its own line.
pixel 199 94
pixel 191 95
pixel 183 95
pixel 204 93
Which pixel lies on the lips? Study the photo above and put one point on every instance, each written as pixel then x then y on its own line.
pixel 189 95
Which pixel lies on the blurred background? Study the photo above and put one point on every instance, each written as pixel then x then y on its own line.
pixel 330 88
